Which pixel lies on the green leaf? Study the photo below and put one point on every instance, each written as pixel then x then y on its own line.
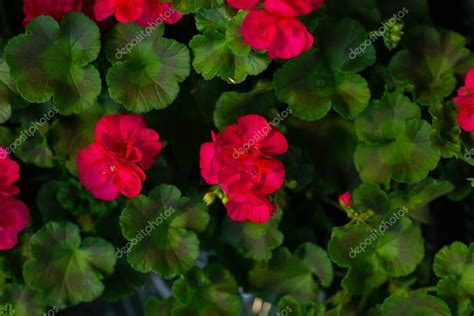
pixel 417 197
pixel 232 105
pixel 209 291
pixel 160 228
pixel 317 260
pixel 22 301
pixel 193 6
pixel 293 274
pixel 370 197
pixel 446 135
pixel 428 63
pixel 52 60
pixel 315 82
pixel 65 270
pixel 155 306
pixel 416 304
pixel 396 143
pixel 144 76
pixel 8 93
pixel 392 249
pixel 35 150
pixel 252 240
pixel 454 264
pixel 220 51
pixel 401 248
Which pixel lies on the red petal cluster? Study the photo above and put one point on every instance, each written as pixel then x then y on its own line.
pixel 241 160
pixel 465 100
pixel 14 215
pixel 275 28
pixel 146 13
pixel 143 12
pixel 55 8
pixel 111 165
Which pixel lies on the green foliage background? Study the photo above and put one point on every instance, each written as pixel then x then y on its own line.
pixel 381 125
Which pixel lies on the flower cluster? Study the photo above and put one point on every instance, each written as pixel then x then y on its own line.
pixel 143 12
pixel 248 179
pixel 14 214
pixel 275 27
pixel 465 100
pixel 111 165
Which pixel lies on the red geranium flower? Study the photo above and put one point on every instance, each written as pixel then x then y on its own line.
pixel 109 167
pixel 9 174
pixel 156 13
pixel 291 8
pixel 107 177
pixel 252 207
pixel 240 160
pixel 128 138
pixel 283 37
pixel 243 4
pixel 14 217
pixel 125 11
pixel 55 8
pixel 465 100
pixel 144 12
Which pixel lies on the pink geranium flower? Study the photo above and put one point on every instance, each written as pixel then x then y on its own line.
pixel 252 207
pixel 241 160
pixel 9 174
pixel 243 4
pixel 291 8
pixel 128 138
pixel 156 13
pixel 282 37
pixel 125 11
pixel 144 12
pixel 465 100
pixel 55 8
pixel 109 167
pixel 107 177
pixel 14 217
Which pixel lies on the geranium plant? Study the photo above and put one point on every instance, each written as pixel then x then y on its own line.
pixel 236 157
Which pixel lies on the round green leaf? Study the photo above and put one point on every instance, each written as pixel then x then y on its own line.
pixel 416 304
pixel 157 228
pixel 65 270
pixel 54 60
pixel 316 81
pixel 146 68
pixel 220 51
